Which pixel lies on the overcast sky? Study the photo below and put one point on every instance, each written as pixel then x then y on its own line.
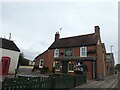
pixel 34 24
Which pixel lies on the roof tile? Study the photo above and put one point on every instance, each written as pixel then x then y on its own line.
pixel 8 44
pixel 76 41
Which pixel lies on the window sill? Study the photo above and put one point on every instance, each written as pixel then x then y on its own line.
pixel 40 66
pixel 70 71
pixel 57 70
pixel 83 56
pixel 56 56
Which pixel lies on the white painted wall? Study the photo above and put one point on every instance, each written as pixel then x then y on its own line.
pixel 14 55
pixel 31 63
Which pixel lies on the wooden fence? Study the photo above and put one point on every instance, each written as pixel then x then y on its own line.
pixel 43 82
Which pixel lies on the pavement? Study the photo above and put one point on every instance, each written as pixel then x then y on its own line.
pixel 108 82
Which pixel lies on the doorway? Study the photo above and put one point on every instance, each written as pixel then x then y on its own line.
pixel 64 67
pixel 5 65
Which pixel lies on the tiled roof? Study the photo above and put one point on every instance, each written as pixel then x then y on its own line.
pixel 8 44
pixel 76 41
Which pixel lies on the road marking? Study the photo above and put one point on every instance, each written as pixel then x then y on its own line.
pixel 115 84
pixel 111 83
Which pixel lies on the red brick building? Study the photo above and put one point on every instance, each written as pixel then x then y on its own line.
pixel 110 64
pixel 78 53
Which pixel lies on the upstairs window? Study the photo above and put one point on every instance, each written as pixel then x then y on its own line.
pixel 83 51
pixel 68 52
pixel 108 57
pixel 41 63
pixel 56 53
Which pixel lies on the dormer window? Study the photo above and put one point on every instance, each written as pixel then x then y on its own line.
pixel 83 51
pixel 56 53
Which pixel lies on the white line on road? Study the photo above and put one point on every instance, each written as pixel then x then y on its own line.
pixel 114 84
pixel 111 83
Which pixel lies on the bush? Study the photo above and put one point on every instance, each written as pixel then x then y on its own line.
pixel 22 60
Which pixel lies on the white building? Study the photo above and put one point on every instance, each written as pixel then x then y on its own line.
pixel 9 56
pixel 31 63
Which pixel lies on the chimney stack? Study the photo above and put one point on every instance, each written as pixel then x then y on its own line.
pixel 57 35
pixel 97 30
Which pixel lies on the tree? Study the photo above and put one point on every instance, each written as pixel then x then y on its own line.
pixel 117 67
pixel 22 60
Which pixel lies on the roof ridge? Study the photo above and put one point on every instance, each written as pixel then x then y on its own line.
pixel 77 36
pixel 8 44
pixel 7 39
pixel 75 41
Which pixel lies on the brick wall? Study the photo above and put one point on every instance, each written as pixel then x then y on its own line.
pixel 49 59
pixel 100 60
pixel 90 69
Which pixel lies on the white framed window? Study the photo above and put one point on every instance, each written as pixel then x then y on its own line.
pixel 70 67
pixel 57 66
pixel 83 51
pixel 41 63
pixel 54 64
pixel 56 53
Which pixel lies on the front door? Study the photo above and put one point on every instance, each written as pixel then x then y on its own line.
pixel 5 65
pixel 64 67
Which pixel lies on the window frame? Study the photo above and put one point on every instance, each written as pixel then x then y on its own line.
pixel 41 62
pixel 66 50
pixel 56 69
pixel 69 67
pixel 83 53
pixel 56 53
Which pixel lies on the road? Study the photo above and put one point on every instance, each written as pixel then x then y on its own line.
pixel 27 70
pixel 108 82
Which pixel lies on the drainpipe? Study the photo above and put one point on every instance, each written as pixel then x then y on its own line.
pixel 104 65
pixel 93 69
pixel 96 64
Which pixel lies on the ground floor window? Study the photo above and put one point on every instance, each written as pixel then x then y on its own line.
pixel 57 66
pixel 71 67
pixel 79 66
pixel 41 63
